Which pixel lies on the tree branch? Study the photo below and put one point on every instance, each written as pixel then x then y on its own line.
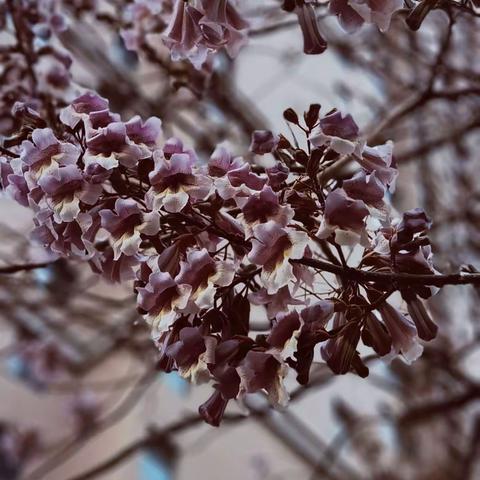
pixel 389 277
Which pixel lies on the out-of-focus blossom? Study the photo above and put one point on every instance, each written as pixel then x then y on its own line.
pixel 274 303
pixel 263 141
pixel 313 42
pixel 353 13
pixel 196 31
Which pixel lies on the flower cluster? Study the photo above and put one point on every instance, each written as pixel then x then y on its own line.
pixel 35 69
pixel 194 30
pixel 191 30
pixel 205 240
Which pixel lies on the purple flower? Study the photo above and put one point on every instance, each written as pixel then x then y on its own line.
pixel 369 189
pixel 277 175
pixel 263 141
pixel 344 217
pixel 340 351
pixel 272 248
pixel 379 160
pixel 126 224
pixel 264 206
pixel 263 371
pixel 193 33
pixel 45 155
pixel 183 35
pixel 222 161
pixel 82 107
pixel 426 328
pixel 239 183
pixel 402 331
pixel 110 146
pixel 162 299
pixel 192 353
pixel 285 326
pixel 275 303
pixel 116 271
pixel 202 273
pixel 72 239
pixel 313 42
pixel 338 132
pixel 144 133
pixel 348 17
pixel 174 181
pixel 66 190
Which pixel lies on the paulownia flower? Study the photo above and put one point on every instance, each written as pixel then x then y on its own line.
pixel 72 239
pixel 402 331
pixel 183 35
pixel 126 224
pixel 272 248
pixel 227 387
pixel 261 370
pixel 195 32
pixel 162 299
pixel 344 217
pixel 369 189
pixel 263 141
pixel 338 132
pixel 233 177
pixel 313 42
pixel 192 353
pixel 379 159
pixel 45 155
pixel 12 180
pixel 80 109
pixel 426 328
pixel 110 146
pixel 174 180
pixel 144 133
pixel 264 206
pixel 223 26
pixel 117 270
pixel 277 175
pixel 66 190
pixel 285 327
pixel 353 13
pixel 203 274
pixel 314 318
pixel 275 303
pixel 340 352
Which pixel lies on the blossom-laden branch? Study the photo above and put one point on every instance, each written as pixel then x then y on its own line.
pixel 204 240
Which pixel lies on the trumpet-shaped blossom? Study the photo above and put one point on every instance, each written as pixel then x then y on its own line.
pixel 126 223
pixel 162 299
pixel 272 248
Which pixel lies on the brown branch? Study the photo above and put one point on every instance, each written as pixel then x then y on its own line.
pixel 24 268
pixel 440 407
pixel 392 277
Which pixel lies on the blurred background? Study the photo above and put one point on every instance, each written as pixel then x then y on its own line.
pixel 77 377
